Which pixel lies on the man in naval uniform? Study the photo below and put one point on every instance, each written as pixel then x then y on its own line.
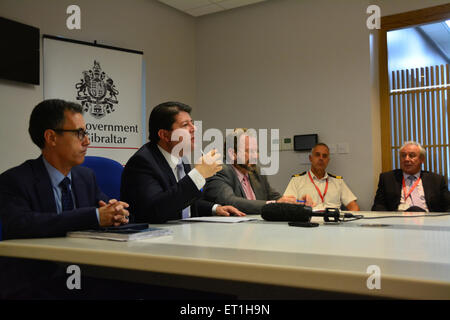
pixel 326 190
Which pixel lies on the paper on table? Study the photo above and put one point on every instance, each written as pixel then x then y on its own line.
pixel 219 219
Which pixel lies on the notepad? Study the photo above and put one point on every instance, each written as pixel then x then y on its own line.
pixel 219 219
pixel 128 232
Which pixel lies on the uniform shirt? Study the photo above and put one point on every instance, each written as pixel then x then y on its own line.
pixel 338 192
pixel 409 201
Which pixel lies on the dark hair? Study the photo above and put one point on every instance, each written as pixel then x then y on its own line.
pixel 49 114
pixel 163 117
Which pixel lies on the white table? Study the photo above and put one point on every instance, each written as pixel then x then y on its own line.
pixel 413 254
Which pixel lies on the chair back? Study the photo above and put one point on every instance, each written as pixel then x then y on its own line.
pixel 108 173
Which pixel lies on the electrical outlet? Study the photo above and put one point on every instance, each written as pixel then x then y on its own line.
pixel 343 148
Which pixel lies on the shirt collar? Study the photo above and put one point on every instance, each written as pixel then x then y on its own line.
pixel 405 175
pixel 55 175
pixel 314 176
pixel 240 175
pixel 170 158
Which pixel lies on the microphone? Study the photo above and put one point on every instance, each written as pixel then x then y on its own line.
pixel 286 212
pixel 415 209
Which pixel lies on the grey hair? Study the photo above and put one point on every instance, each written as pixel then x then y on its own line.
pixel 320 144
pixel 422 149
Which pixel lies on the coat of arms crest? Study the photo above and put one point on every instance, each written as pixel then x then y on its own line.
pixel 97 95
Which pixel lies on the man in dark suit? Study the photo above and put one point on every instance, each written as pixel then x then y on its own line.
pixel 240 182
pixel 51 195
pixel 158 181
pixel 410 188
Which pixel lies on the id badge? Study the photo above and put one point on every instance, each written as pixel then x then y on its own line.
pixel 402 207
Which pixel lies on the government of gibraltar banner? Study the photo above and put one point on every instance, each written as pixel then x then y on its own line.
pixel 107 82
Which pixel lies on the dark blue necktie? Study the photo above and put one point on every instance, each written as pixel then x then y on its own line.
pixel 66 195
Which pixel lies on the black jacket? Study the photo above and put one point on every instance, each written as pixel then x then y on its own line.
pixel 389 191
pixel 150 188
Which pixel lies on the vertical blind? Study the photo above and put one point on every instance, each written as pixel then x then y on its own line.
pixel 419 111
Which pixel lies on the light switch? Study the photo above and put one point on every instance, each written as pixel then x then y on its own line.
pixel 343 148
pixel 333 148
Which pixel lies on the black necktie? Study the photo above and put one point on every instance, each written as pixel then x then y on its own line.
pixel 66 195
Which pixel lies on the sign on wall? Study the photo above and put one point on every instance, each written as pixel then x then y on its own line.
pixel 107 82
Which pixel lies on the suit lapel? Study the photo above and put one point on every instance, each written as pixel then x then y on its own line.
pixel 398 184
pixel 166 170
pixel 427 185
pixel 79 189
pixel 43 186
pixel 236 181
pixel 256 186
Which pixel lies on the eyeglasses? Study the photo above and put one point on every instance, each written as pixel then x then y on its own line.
pixel 81 133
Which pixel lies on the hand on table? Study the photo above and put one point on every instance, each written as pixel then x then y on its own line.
pixel 228 211
pixel 113 213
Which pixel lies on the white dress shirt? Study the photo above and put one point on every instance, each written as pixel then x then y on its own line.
pixel 195 176
pixel 404 205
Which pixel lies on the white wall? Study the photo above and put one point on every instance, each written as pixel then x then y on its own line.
pixel 166 36
pixel 303 66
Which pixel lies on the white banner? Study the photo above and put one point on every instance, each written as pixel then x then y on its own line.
pixel 107 82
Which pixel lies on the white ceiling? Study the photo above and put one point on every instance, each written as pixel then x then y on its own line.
pixel 198 8
pixel 439 33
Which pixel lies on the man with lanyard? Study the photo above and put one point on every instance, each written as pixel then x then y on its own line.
pixel 326 190
pixel 410 188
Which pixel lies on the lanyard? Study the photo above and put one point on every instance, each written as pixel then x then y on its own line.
pixel 411 189
pixel 317 188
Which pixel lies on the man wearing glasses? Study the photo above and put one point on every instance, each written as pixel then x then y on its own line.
pixel 51 195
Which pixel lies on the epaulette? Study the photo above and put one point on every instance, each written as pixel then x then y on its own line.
pixel 336 177
pixel 299 174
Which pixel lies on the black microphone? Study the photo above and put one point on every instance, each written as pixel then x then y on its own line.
pixel 286 212
pixel 415 209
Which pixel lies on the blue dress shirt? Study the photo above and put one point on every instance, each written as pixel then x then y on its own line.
pixel 55 178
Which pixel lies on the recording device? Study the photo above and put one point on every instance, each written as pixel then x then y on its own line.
pixel 303 224
pixel 415 209
pixel 329 215
pixel 296 213
pixel 286 212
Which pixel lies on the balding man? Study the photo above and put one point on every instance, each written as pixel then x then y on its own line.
pixel 410 188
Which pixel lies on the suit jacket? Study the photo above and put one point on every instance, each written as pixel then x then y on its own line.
pixel 389 191
pixel 28 204
pixel 152 191
pixel 29 211
pixel 225 188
